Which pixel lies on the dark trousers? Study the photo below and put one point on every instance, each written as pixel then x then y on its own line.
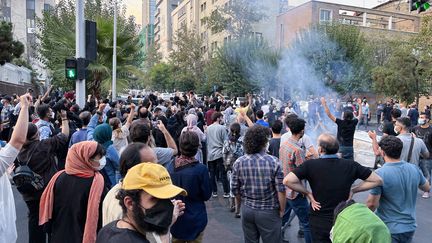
pixel 36 232
pixel 347 152
pixel 264 224
pixel 216 166
pixel 5 134
pixel 320 228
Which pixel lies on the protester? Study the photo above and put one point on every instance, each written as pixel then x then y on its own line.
pixel 188 173
pixel 413 147
pixel 44 125
pixel 424 132
pixel 260 119
pixel 257 184
pixel 120 133
pixel 345 129
pixel 395 199
pixel 216 136
pixel 6 112
pixel 354 222
pixel 146 205
pixel 192 121
pixel 330 179
pixel 305 141
pixel 103 134
pixel 292 155
pixel 141 133
pixel 81 134
pixel 275 141
pixel 388 126
pixel 41 157
pixel 8 154
pixel 232 150
pixel 70 203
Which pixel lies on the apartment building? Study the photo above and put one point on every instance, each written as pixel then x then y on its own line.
pixel 370 21
pixel 191 13
pixel 163 31
pixel 148 20
pixel 398 6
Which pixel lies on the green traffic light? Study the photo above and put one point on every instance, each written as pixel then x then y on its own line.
pixel 426 6
pixel 71 74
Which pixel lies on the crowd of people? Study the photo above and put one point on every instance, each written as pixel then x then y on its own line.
pixel 141 170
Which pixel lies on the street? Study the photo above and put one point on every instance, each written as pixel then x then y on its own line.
pixel 223 227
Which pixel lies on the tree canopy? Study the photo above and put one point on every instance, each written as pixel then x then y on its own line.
pixel 9 48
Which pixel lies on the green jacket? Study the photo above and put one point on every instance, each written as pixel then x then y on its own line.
pixel 359 224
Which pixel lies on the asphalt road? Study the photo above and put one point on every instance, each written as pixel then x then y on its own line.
pixel 223 227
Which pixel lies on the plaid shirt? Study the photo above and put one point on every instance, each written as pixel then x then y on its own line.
pixel 6 111
pixel 258 179
pixel 291 155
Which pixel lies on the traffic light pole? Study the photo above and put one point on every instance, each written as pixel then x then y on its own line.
pixel 80 51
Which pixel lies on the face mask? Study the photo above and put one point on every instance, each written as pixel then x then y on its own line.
pixel 160 215
pixel 102 163
pixel 421 121
pixel 396 131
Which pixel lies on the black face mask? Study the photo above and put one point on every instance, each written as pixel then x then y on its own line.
pixel 156 219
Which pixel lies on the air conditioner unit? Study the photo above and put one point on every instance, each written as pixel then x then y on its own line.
pixel 31 30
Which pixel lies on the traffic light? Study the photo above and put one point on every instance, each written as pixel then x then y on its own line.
pixel 71 68
pixel 419 5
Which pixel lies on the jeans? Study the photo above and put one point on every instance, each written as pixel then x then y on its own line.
pixel 214 166
pixel 364 121
pixel 402 237
pixel 300 205
pixel 36 232
pixel 347 152
pixel 426 167
pixel 264 224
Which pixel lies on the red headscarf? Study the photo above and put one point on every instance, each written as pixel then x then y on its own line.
pixel 77 164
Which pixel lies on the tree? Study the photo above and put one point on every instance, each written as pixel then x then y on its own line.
pixel 57 42
pixel 237 17
pixel 187 60
pixel 9 48
pixel 242 66
pixel 160 76
pixel 407 73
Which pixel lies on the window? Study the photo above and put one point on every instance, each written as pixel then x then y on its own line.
pixel 213 1
pixel 30 23
pixel 47 7
pixel 203 6
pixel 214 46
pixel 31 4
pixel 325 15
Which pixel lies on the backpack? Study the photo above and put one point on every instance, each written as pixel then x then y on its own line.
pixel 27 181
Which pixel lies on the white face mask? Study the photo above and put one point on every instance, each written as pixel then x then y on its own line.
pixel 102 163
pixel 421 121
pixel 396 131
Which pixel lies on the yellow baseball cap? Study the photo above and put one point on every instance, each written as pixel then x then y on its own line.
pixel 152 178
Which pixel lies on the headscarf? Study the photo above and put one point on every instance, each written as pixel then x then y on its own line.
pixel 103 135
pixel 192 121
pixel 77 164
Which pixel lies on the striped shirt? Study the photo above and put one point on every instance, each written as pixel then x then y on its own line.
pixel 258 179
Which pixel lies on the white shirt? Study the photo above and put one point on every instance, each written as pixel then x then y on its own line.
pixel 8 231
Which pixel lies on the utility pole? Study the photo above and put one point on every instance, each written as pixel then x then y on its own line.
pixel 114 62
pixel 80 51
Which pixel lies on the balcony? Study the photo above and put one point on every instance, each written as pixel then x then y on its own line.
pixel 157 12
pixel 158 2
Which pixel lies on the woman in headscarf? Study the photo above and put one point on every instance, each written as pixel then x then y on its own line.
pixel 103 134
pixel 192 121
pixel 71 202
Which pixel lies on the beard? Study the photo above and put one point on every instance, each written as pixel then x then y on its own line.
pixel 139 215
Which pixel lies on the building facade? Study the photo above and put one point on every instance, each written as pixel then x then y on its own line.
pixel 370 21
pixel 398 6
pixel 163 27
pixel 148 20
pixel 192 14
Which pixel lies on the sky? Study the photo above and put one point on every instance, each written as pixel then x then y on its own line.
pixel 134 7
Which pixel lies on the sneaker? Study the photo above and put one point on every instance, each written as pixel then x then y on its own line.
pixel 226 195
pixel 215 194
pixel 426 195
pixel 237 215
pixel 232 209
pixel 300 234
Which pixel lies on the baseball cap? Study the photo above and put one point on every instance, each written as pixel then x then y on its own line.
pixel 152 178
